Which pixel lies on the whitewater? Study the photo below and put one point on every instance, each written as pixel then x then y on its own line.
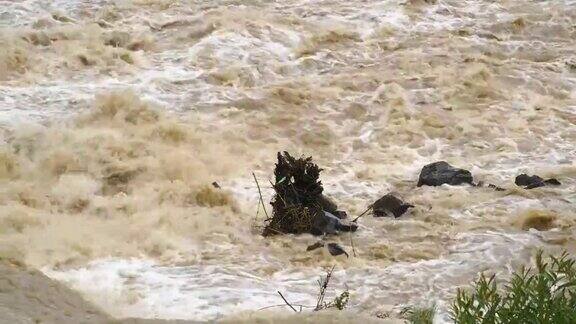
pixel 117 116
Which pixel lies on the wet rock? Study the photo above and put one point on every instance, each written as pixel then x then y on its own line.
pixel 330 206
pixel 389 205
pixel 341 214
pixel 315 246
pixel 330 224
pixel 553 182
pixel 534 181
pixel 490 185
pixel 495 187
pixel 439 173
pixel 336 249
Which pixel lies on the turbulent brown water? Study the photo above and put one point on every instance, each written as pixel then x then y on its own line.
pixel 116 117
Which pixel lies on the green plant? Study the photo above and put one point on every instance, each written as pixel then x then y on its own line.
pixel 340 301
pixel 545 293
pixel 418 315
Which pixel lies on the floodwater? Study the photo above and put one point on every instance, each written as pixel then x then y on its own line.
pixel 116 117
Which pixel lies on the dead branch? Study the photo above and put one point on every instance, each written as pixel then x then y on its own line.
pixel 287 303
pixel 260 193
pixel 363 213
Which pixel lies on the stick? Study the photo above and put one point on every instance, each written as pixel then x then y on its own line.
pixel 363 213
pixel 287 303
pixel 260 193
pixel 277 193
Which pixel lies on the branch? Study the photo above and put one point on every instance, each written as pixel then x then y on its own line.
pixel 260 193
pixel 287 303
pixel 363 213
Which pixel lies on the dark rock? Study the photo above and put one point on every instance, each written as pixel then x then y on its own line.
pixel 495 187
pixel 491 186
pixel 330 224
pixel 315 246
pixel 390 205
pixel 347 227
pixel 531 182
pixel 526 180
pixel 439 173
pixel 330 206
pixel 336 249
pixel 341 214
pixel 553 182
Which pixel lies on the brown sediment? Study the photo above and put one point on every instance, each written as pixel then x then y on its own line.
pixel 372 90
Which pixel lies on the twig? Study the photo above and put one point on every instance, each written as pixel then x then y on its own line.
pixel 363 213
pixel 277 193
pixel 260 193
pixel 287 303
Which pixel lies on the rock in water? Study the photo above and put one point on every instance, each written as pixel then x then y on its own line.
pixel 390 204
pixel 315 246
pixel 481 184
pixel 327 204
pixel 439 173
pixel 336 249
pixel 553 182
pixel 330 224
pixel 330 206
pixel 531 182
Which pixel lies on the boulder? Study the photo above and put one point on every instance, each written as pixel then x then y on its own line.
pixel 336 249
pixel 439 173
pixel 389 205
pixel 330 224
pixel 534 181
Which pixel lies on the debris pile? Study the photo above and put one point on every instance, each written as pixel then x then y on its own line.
pixel 299 205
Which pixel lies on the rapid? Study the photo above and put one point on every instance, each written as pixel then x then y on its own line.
pixel 117 116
